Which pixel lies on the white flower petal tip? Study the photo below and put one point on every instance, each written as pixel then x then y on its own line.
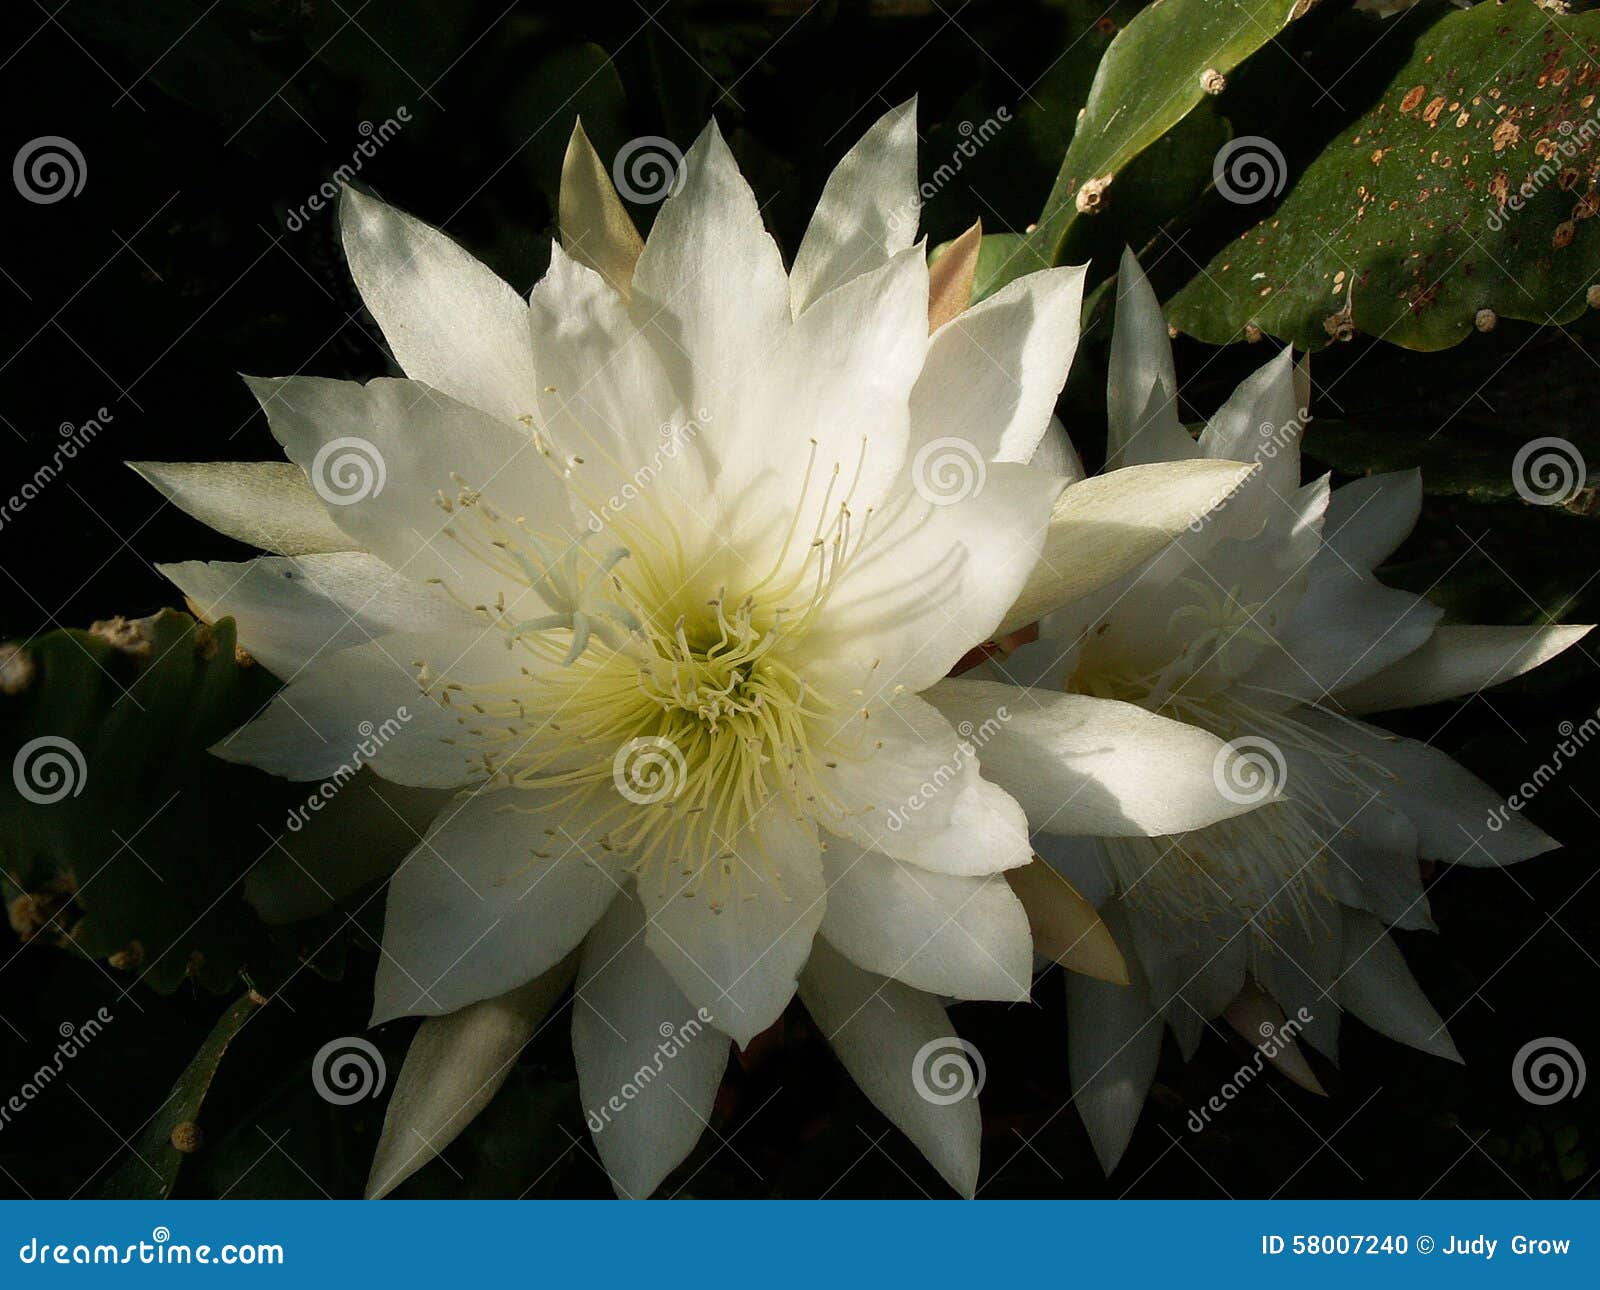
pixel 266 504
pixel 1066 927
pixel 1113 1044
pixel 1376 985
pixel 1458 661
pixel 1259 1021
pixel 596 229
pixel 453 1069
pixel 1107 526
pixel 899 1047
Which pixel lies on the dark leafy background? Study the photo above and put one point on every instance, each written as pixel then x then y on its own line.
pixel 189 257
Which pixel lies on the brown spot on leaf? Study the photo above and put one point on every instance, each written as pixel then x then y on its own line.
pixel 1412 98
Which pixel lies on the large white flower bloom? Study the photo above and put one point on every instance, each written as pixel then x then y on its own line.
pixel 1266 626
pixel 653 567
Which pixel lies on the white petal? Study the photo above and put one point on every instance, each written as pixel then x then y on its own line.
pixel 453 1069
pixel 1346 627
pixel 450 321
pixel 505 885
pixel 381 454
pixel 1055 454
pixel 931 582
pixel 1458 817
pixel 267 504
pixel 906 783
pixel 1261 423
pixel 737 954
pixel 1368 518
pixel 1142 389
pixel 1458 661
pixel 1113 1043
pixel 369 695
pixel 709 288
pixel 1091 766
pixel 885 1034
pixel 965 938
pixel 868 210
pixel 1106 527
pixel 1377 986
pixel 648 1062
pixel 994 371
pixel 595 228
pixel 292 610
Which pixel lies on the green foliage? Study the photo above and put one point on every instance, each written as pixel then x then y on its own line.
pixel 1469 185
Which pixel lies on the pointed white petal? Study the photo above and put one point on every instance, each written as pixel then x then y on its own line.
pixel 885 1034
pixel 1091 766
pixel 1369 518
pixel 1377 986
pixel 649 1063
pixel 453 1069
pixel 1142 389
pixel 868 210
pixel 290 610
pixel 1261 423
pixel 965 938
pixel 1113 1043
pixel 993 372
pixel 1457 661
pixel 450 322
pixel 737 953
pixel 1260 1022
pixel 268 504
pixel 505 885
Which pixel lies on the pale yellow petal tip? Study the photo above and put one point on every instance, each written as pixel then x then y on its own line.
pixel 951 275
pixel 1066 927
pixel 596 229
pixel 1258 1020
